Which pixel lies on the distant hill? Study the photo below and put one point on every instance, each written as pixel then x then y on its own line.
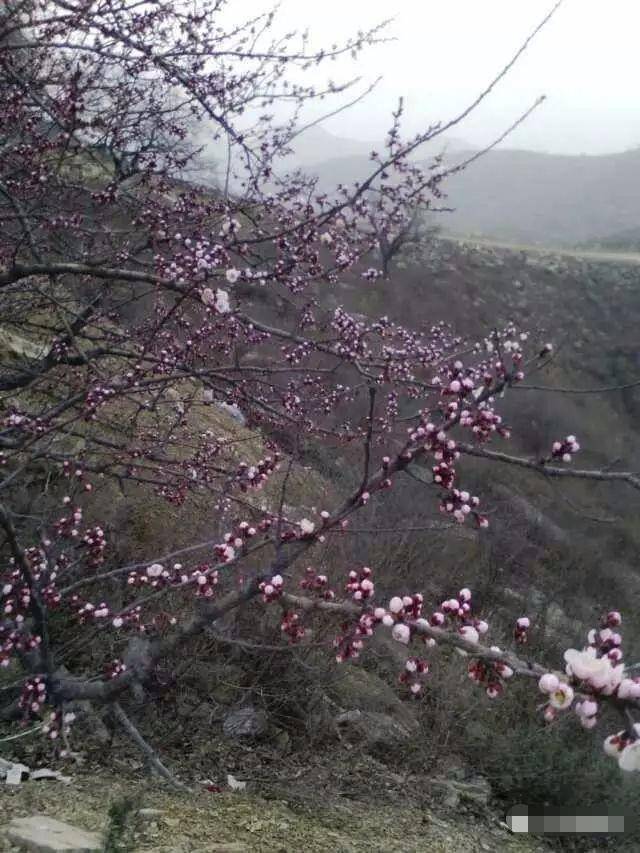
pixel 532 197
pixel 316 145
pixel 525 196
pixel 622 241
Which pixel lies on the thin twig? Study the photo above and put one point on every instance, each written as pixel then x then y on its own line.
pixel 146 749
pixel 540 467
pixel 367 445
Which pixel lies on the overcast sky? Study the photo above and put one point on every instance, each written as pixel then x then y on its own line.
pixel 586 60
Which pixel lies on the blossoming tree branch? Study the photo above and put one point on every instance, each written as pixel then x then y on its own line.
pixel 134 300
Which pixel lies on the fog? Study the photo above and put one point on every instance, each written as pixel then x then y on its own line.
pixel 585 61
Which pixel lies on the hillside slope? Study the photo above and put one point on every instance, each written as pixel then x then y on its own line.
pixel 591 312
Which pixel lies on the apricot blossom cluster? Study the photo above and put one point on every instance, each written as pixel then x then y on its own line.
pixel 594 675
pixel 521 630
pixel 565 449
pixel 415 671
pixel 491 674
pixel 272 589
pixel 14 639
pixel 350 643
pixel 291 627
pixel 317 584
pixel 256 476
pixel 114 668
pixel 360 586
pixel 458 503
pixel 58 722
pixel 32 697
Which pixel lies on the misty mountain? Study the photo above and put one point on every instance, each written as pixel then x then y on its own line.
pixel 315 145
pixel 523 196
pixel 544 198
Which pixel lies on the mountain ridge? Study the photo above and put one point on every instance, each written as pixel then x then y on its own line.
pixel 522 195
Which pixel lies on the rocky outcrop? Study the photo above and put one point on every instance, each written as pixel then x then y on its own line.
pixel 42 834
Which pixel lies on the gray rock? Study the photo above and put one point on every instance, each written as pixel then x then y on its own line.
pixel 42 834
pixel 475 791
pixel 559 624
pixel 46 774
pixel 13 772
pixel 245 722
pixel 233 410
pixel 374 728
pixel 359 690
pixel 452 800
pixel 150 814
pixel 529 512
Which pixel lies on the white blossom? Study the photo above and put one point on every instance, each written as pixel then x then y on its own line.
pixel 630 756
pixel 222 303
pixel 401 633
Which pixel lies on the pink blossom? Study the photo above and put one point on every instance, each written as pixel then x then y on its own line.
pixel 588 708
pixel 629 689
pixel 468 632
pixel 548 682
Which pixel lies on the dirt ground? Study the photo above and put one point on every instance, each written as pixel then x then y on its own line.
pixel 237 822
